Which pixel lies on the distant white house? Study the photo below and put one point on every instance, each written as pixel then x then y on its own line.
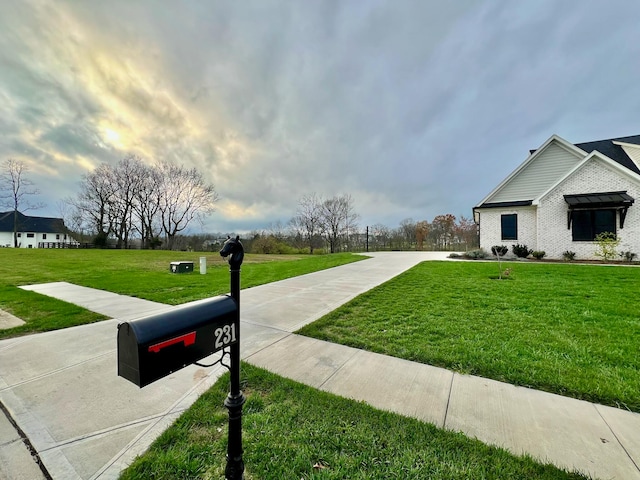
pixel 563 195
pixel 34 232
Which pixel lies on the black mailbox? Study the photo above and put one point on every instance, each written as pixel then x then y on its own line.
pixel 152 347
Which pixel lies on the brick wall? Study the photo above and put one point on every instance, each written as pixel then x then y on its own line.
pixel 596 176
pixel 491 231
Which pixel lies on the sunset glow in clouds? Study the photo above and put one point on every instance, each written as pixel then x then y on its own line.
pixel 415 108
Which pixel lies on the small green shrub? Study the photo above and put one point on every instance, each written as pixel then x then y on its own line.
pixel 538 254
pixel 628 256
pixel 499 250
pixel 475 254
pixel 606 242
pixel 101 240
pixel 521 251
pixel 568 255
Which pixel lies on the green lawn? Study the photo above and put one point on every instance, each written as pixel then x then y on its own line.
pixel 291 431
pixel 139 273
pixel 568 329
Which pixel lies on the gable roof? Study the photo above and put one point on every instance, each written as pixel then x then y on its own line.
pixel 497 195
pixel 31 224
pixel 609 149
pixel 595 155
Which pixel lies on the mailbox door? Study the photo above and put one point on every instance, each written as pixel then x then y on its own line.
pixel 128 357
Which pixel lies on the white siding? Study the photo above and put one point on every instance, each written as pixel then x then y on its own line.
pixel 538 176
pixel 27 241
pixel 491 231
pixel 24 241
pixel 596 176
pixel 633 152
pixel 6 239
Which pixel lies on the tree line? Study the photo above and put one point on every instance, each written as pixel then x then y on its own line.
pixel 154 204
pixel 134 200
pixel 331 224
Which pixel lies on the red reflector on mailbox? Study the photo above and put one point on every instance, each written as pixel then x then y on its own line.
pixel 155 346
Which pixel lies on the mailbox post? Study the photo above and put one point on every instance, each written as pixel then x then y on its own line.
pixel 152 347
pixel 234 469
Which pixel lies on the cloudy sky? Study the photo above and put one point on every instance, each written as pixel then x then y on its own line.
pixel 415 108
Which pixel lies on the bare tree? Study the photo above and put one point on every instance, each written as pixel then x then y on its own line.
pixel 338 219
pixel 185 197
pixel 14 187
pixel 147 206
pixel 94 201
pixel 308 218
pixel 277 230
pixel 72 218
pixel 297 237
pixel 128 178
pixel 350 221
pixel 381 235
pixel 408 231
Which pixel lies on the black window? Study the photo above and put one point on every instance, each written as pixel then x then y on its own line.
pixel 31 235
pixel 44 236
pixel 589 223
pixel 509 225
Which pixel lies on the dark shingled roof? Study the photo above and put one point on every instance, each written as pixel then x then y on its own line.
pixel 614 152
pixel 31 224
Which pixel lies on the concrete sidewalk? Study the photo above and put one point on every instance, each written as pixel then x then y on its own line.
pixel 62 391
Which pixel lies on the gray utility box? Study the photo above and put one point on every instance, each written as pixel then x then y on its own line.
pixel 181 267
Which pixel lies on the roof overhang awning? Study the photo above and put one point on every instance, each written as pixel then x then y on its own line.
pixel 599 200
pixel 590 201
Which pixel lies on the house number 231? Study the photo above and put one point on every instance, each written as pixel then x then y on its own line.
pixel 225 335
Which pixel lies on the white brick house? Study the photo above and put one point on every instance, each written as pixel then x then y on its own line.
pixel 563 195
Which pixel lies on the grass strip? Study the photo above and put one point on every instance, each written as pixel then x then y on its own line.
pixel 292 431
pixel 41 313
pixel 568 329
